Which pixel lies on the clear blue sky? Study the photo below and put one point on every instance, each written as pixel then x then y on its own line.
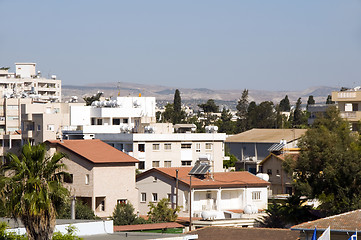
pixel 276 45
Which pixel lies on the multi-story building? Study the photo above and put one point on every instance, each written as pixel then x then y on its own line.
pixel 100 175
pixel 44 121
pixel 118 115
pixel 349 104
pixel 170 149
pixel 26 82
pixel 128 124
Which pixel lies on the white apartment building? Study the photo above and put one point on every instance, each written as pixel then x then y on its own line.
pixel 170 149
pixel 119 115
pixel 128 124
pixel 26 82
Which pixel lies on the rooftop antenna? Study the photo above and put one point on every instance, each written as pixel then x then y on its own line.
pixel 118 87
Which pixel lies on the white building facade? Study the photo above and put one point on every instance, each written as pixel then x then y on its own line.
pixel 26 82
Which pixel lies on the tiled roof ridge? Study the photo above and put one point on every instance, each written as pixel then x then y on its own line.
pixel 326 218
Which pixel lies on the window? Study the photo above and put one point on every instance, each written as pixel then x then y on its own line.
pixel 39 128
pixel 198 147
pixel 209 146
pixel 116 121
pixel 256 195
pixel 141 165
pixel 154 197
pixel 141 147
pixel 143 197
pixel 186 145
pixel 125 120
pixel 167 163
pixel 50 127
pixel 68 178
pixel 269 172
pixel 122 201
pixel 86 179
pixel 102 205
pixel 12 107
pixel 93 121
pixel 156 147
pixel 155 179
pixel 155 164
pixel 99 121
pixel 186 163
pixel 167 146
pixel 11 118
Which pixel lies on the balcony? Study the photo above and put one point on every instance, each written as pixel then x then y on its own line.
pixel 351 116
pixel 346 96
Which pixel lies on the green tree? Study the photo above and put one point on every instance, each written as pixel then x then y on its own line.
pixel 31 187
pixel 262 115
pixel 4 235
pixel 209 107
pixel 90 100
pixel 329 165
pixel 161 212
pixel 285 105
pixel 242 111
pixel 82 211
pixel 167 115
pixel 178 113
pixel 124 214
pixel 310 101
pixel 70 235
pixel 231 162
pixel 299 117
pixel 292 212
pixel 225 124
pixel 329 100
pixel 274 217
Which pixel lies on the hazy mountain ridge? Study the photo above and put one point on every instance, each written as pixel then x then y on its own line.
pixel 195 95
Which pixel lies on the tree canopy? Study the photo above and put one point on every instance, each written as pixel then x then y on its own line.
pixel 161 212
pixel 209 107
pixel 90 100
pixel 284 105
pixel 329 165
pixel 31 188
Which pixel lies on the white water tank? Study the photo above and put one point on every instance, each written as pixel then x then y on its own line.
pixel 250 209
pixel 263 176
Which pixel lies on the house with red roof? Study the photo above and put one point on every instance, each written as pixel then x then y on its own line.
pixel 342 226
pixel 100 175
pixel 218 191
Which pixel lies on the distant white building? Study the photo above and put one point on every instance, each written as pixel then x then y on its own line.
pixel 26 82
pixel 128 124
pixel 119 115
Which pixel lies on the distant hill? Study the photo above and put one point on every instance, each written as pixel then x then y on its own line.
pixel 194 96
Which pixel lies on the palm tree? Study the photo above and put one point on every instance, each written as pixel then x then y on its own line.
pixel 31 188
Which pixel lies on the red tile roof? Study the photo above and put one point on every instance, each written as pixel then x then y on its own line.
pixel 95 151
pixel 139 227
pixel 220 179
pixel 349 221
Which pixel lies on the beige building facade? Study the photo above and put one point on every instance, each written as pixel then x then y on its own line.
pixel 101 176
pixel 349 105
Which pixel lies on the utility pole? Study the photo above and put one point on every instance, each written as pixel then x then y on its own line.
pixel 176 188
pixel 190 202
